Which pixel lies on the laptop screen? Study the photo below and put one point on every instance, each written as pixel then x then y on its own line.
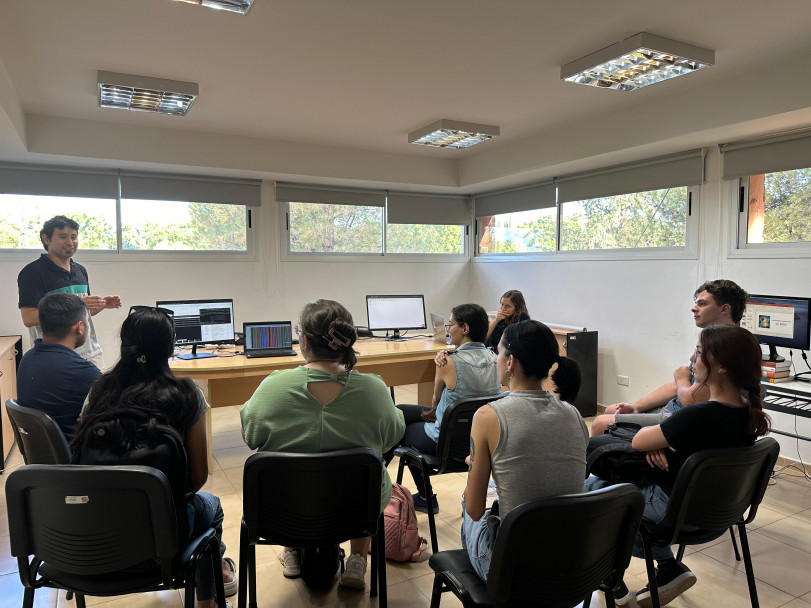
pixel 272 334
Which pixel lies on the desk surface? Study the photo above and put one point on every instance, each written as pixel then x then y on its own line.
pixel 370 351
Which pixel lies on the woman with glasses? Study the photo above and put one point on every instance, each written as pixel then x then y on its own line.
pixel 466 373
pixel 512 309
pixel 531 442
pixel 142 380
pixel 321 406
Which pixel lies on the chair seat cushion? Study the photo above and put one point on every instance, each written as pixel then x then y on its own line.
pixel 457 563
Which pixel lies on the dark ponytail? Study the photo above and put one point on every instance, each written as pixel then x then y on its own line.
pixel 534 347
pixel 328 327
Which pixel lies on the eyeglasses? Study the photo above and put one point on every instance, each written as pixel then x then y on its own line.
pixel 448 326
pixel 169 313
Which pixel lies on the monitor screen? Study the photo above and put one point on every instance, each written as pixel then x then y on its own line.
pixel 202 321
pixel 778 321
pixel 395 313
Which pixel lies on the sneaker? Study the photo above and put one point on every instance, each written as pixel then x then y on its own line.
pixel 291 564
pixel 672 579
pixel 355 572
pixel 622 596
pixel 420 504
pixel 231 587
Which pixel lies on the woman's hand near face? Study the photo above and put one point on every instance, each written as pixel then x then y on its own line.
pixel 441 359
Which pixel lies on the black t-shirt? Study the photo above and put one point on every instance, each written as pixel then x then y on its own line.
pixel 699 427
pixel 42 277
pixel 498 331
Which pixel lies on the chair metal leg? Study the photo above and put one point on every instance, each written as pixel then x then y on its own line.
pixel 252 576
pixel 680 553
pixel 750 572
pixel 383 595
pixel 400 468
pixel 216 564
pixel 28 597
pixel 79 601
pixel 69 595
pixel 436 593
pixel 734 543
pixel 188 591
pixel 654 590
pixel 429 498
pixel 373 560
pixel 243 566
pixel 587 600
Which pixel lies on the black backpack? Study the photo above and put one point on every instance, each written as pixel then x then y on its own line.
pixel 611 457
pixel 157 445
pixel 319 564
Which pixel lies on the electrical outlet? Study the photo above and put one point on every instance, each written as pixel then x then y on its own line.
pixel 623 380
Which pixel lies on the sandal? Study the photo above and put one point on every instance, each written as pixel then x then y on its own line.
pixel 232 587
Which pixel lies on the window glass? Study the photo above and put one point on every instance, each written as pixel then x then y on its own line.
pixel 327 228
pixel 779 205
pixel 22 216
pixel 520 232
pixel 148 225
pixel 657 218
pixel 424 238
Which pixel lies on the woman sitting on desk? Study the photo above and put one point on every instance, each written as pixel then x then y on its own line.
pixel 512 309
pixel 532 443
pixel 141 383
pixel 468 372
pixel 322 406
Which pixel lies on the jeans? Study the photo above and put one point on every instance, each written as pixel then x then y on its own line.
pixel 655 506
pixel 207 514
pixel 479 538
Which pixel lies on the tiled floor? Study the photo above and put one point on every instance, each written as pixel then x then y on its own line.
pixel 780 542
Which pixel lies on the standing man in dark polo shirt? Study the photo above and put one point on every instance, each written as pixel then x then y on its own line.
pixel 52 376
pixel 55 272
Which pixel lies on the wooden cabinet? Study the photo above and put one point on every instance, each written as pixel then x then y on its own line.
pixel 581 345
pixel 10 353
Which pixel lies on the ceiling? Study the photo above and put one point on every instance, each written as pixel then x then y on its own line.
pixel 326 91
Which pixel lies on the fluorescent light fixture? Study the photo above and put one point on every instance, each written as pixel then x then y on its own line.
pixel 145 94
pixel 446 133
pixel 636 62
pixel 232 6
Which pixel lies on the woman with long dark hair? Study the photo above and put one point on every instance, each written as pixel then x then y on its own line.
pixel 727 360
pixel 321 406
pixel 142 381
pixel 531 442
pixel 512 308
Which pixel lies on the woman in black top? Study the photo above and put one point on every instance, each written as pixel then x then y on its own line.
pixel 512 309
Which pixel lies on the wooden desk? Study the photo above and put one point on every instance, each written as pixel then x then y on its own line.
pixel 232 380
pixel 10 352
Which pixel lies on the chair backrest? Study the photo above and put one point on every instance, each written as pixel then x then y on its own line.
pixel 312 499
pixel 38 436
pixel 91 520
pixel 454 430
pixel 555 551
pixel 715 488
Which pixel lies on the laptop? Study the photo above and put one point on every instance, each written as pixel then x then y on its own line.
pixel 440 335
pixel 269 339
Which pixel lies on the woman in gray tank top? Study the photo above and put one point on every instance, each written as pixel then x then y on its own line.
pixel 531 441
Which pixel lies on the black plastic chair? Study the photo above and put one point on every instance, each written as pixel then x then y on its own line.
pixel 39 438
pixel 308 500
pixel 103 531
pixel 712 492
pixel 452 447
pixel 553 552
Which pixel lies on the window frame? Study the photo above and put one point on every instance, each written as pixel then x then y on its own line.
pixel 688 251
pixel 737 194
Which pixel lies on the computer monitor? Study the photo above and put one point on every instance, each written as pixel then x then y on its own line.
pixel 778 321
pixel 201 322
pixel 395 313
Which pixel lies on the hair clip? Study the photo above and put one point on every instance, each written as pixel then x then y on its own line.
pixel 336 339
pixel 141 359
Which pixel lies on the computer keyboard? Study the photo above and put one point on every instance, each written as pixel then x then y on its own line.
pixel 270 353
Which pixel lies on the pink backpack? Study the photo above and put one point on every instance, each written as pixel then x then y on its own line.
pixel 403 541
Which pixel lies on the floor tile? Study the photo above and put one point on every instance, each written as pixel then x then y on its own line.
pixel 11 593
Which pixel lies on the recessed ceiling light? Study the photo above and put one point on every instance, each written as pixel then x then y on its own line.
pixel 638 61
pixel 233 6
pixel 145 94
pixel 446 133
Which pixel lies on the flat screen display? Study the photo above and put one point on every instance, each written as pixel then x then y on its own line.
pixel 395 313
pixel 202 321
pixel 778 321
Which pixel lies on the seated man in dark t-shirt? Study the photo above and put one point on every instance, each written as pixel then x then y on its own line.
pixel 52 377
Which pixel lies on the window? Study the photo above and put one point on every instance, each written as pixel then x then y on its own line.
pixel 332 228
pixel 148 225
pixel 22 216
pixel 520 232
pixel 657 218
pixel 778 207
pixel 425 238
